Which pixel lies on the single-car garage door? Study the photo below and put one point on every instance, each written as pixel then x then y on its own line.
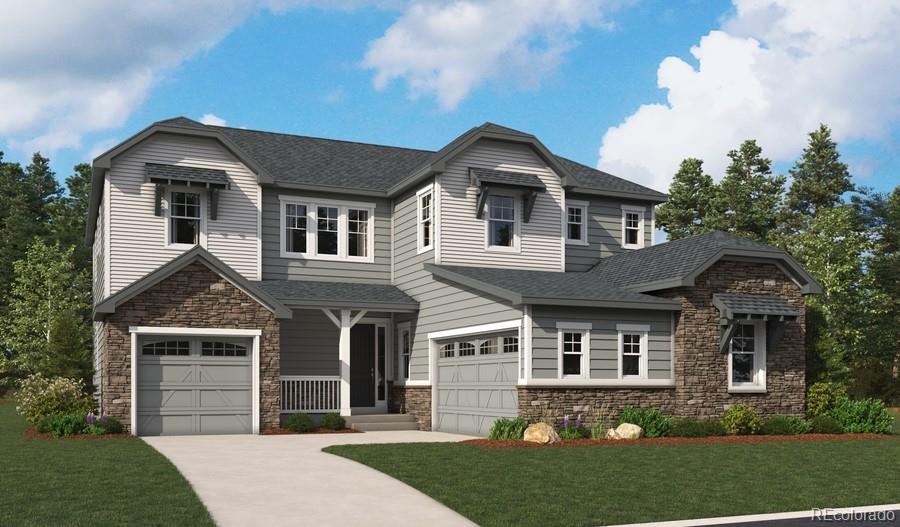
pixel 194 385
pixel 476 383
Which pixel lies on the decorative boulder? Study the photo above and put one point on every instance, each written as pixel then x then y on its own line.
pixel 625 431
pixel 541 433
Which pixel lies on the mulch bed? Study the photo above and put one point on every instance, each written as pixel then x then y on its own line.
pixel 517 443
pixel 31 433
pixel 284 431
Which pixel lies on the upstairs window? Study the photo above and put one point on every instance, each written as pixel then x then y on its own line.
pixel 576 222
pixel 501 222
pixel 325 230
pixel 184 218
pixel 632 227
pixel 425 214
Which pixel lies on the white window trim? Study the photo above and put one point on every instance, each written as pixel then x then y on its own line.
pixel 584 206
pixel 759 360
pixel 574 327
pixel 644 331
pixel 168 218
pixel 641 211
pixel 402 380
pixel 312 205
pixel 517 224
pixel 420 246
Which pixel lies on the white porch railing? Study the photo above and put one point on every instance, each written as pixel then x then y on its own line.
pixel 310 394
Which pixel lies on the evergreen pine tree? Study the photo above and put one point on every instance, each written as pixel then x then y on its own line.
pixel 690 199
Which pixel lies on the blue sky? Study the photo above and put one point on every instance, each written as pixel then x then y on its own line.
pixel 313 71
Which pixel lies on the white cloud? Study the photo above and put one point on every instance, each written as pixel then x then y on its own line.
pixel 335 96
pixel 213 119
pixel 773 72
pixel 447 49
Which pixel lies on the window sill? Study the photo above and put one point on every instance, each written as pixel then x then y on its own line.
pixel 632 246
pixel 747 389
pixel 499 249
pixel 577 242
pixel 421 250
pixel 326 258
pixel 569 382
pixel 182 246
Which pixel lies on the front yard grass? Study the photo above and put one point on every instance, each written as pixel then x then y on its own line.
pixel 89 482
pixel 640 483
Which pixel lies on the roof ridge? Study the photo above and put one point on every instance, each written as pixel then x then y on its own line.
pixel 347 141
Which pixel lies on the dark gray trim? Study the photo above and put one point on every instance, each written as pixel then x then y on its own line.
pixel 197 254
pixel 662 305
pixel 351 304
pixel 191 175
pixel 733 306
pixel 653 198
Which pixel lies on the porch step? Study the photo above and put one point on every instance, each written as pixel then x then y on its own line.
pixel 382 422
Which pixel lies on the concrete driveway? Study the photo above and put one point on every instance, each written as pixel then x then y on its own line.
pixel 287 480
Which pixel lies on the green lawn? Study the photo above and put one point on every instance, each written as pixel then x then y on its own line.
pixel 895 412
pixel 100 482
pixel 608 485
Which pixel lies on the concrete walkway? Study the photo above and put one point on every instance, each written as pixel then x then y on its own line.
pixel 287 480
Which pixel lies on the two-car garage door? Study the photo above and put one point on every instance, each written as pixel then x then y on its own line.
pixel 194 385
pixel 476 383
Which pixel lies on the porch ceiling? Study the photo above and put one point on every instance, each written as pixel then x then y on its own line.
pixel 314 294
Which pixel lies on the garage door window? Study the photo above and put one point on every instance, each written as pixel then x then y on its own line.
pixel 466 349
pixel 222 349
pixel 510 344
pixel 488 347
pixel 448 351
pixel 169 348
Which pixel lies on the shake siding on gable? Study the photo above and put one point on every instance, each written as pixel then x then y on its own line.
pixel 137 237
pixel 604 231
pixel 463 235
pixel 441 306
pixel 604 347
pixel 277 268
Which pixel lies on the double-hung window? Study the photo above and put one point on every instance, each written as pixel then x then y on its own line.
pixel 747 358
pixel 633 348
pixel 425 215
pixel 404 351
pixel 576 222
pixel 184 218
pixel 574 340
pixel 326 230
pixel 501 223
pixel 632 227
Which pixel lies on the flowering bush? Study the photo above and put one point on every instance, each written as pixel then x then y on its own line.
pixel 573 429
pixel 102 424
pixel 39 397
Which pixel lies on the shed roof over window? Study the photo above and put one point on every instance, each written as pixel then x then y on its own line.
pixel 485 177
pixel 736 306
pixel 183 175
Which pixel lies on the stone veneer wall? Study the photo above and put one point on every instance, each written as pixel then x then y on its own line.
pixel 701 371
pixel 194 297
pixel 413 400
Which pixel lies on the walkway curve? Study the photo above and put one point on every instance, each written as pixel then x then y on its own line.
pixel 286 480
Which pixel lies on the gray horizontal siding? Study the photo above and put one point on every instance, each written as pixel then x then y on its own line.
pixel 309 344
pixel 277 268
pixel 604 231
pixel 441 306
pixel 604 340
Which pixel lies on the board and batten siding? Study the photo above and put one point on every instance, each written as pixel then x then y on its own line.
pixel 274 267
pixel 604 348
pixel 463 234
pixel 604 230
pixel 137 237
pixel 442 306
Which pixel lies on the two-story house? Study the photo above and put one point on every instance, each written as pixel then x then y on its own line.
pixel 242 275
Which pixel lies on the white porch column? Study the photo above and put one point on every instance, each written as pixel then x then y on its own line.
pixel 344 356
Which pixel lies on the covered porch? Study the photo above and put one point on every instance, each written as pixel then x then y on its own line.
pixel 337 349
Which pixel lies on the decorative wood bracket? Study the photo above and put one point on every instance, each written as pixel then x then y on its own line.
pixel 157 199
pixel 530 197
pixel 728 332
pixel 480 201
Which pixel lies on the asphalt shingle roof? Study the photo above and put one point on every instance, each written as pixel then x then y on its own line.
pixel 352 165
pixel 547 287
pixel 736 305
pixel 672 260
pixel 328 294
pixel 183 173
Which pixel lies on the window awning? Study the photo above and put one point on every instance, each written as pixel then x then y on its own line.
pixel 485 179
pixel 189 176
pixel 736 306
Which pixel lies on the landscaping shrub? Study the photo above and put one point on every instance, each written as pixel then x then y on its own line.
pixel 572 429
pixel 783 425
pixel 741 419
pixel 333 421
pixel 651 420
pixel 67 424
pixel 39 397
pixel 822 397
pixel 824 424
pixel 863 416
pixel 298 423
pixel 505 428
pixel 687 427
pixel 99 425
